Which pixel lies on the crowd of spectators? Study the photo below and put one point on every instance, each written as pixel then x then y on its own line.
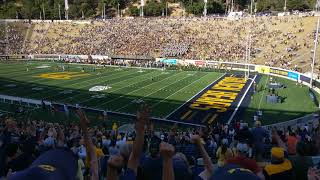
pixel 42 150
pixel 276 41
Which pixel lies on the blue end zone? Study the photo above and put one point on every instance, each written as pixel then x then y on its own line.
pixel 217 102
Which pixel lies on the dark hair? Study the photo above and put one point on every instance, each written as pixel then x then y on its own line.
pixel 224 148
pixel 12 149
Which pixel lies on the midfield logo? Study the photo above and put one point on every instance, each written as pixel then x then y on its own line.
pixel 62 75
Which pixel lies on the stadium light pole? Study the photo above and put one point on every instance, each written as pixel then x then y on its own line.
pixel 232 3
pixel 248 55
pixel 141 9
pixel 118 10
pixel 251 7
pixel 66 6
pixel 44 13
pixel 285 6
pixel 205 8
pixel 104 11
pixel 59 12
pixel 166 9
pixel 314 52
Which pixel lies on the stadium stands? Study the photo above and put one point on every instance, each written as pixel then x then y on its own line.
pixel 277 41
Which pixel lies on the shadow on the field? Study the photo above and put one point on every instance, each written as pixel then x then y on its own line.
pixel 127 103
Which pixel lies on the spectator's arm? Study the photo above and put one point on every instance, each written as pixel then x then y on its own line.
pixel 142 119
pixel 206 158
pixel 279 142
pixel 167 151
pixel 60 138
pixel 84 123
pixel 313 174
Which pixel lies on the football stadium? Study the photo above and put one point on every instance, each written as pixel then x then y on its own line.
pixel 166 90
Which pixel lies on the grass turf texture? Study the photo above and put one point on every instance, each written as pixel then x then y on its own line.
pixel 297 102
pixel 163 90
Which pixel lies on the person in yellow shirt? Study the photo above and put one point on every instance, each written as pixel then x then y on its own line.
pixel 223 153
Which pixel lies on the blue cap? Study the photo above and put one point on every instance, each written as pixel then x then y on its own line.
pixel 54 164
pixel 233 172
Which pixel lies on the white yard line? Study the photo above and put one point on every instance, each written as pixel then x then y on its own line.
pixel 54 84
pixel 153 92
pixel 242 98
pixel 193 96
pixel 178 91
pixel 116 75
pixel 139 89
pixel 116 89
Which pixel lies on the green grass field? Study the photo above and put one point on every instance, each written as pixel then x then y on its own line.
pixel 164 90
pixel 296 103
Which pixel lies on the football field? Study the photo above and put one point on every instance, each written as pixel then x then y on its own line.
pixel 198 97
pixel 116 89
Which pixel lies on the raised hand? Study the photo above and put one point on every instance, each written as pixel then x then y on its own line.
pixel 313 174
pixel 116 161
pixel 196 139
pixel 143 117
pixel 84 122
pixel 166 150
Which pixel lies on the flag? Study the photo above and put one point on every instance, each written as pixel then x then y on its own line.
pixel 66 6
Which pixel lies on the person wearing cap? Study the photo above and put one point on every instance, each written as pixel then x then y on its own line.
pixel 48 166
pixel 233 172
pixel 280 167
pixel 242 160
pixel 117 162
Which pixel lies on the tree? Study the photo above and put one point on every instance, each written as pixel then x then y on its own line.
pixel 153 8
pixel 214 7
pixel 8 10
pixel 297 5
pixel 134 11
pixel 30 9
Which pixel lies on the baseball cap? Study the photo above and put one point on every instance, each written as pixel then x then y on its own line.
pixel 233 172
pixel 52 165
pixel 277 152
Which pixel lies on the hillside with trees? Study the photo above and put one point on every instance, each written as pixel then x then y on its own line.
pixel 85 9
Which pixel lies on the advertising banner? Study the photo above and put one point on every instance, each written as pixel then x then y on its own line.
pixel 169 61
pixel 279 72
pixel 200 63
pixel 263 69
pixel 293 75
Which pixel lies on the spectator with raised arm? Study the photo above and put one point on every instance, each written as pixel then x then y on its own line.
pixel 208 171
pixel 167 152
pixel 116 163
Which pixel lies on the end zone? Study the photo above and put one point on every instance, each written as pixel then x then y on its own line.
pixel 218 102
